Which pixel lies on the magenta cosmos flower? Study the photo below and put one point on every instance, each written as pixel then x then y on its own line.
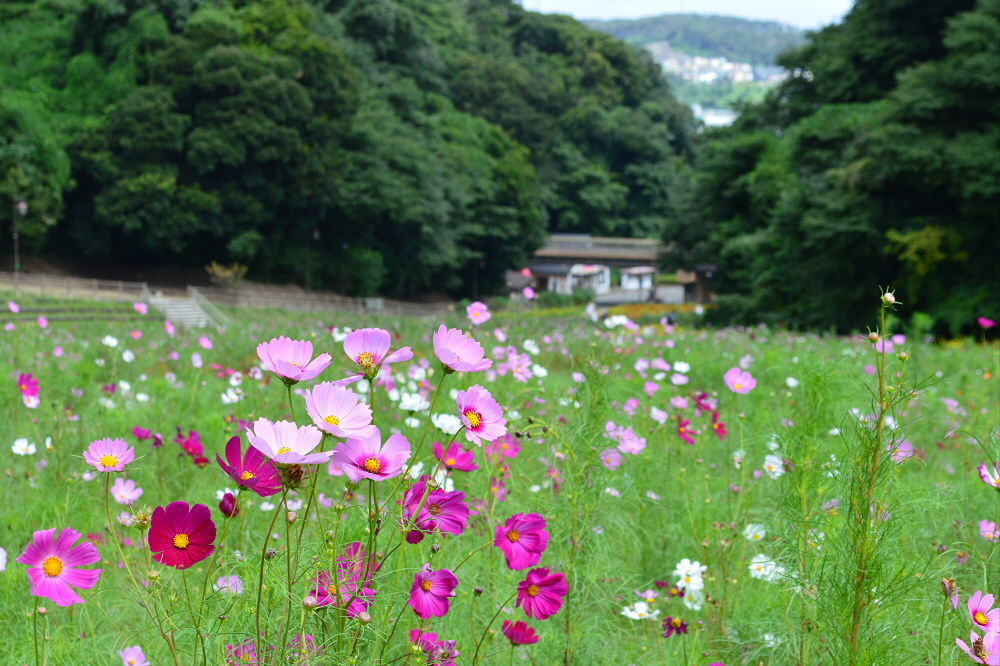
pixel 739 381
pixel 292 359
pixel 29 385
pixel 53 565
pixel 442 510
pixel 983 614
pixel 478 313
pixel 458 352
pixel 541 593
pixel 339 411
pixel 369 349
pixel 986 322
pixel 287 443
pixel 481 414
pixel 982 649
pixel 456 457
pixel 251 470
pixel 369 458
pixel 523 539
pixel 181 535
pixel 431 593
pixel 109 455
pixel 519 633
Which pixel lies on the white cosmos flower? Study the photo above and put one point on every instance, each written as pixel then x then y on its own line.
pixel 539 371
pixel 110 341
pixel 754 532
pixel 413 402
pixel 128 355
pixel 791 382
pixel 764 568
pixel 236 379
pixel 682 367
pixel 531 347
pixel 231 396
pixel 3 560
pixel 23 447
pixel 640 610
pixel 412 422
pixel 694 599
pixel 142 397
pixel 449 423
pixel 774 466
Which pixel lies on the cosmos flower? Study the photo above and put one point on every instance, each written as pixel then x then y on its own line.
pixel 983 649
pixel 368 348
pixel 739 381
pixel 478 313
pixel 458 352
pixel 287 443
pixel 456 457
pixel 481 415
pixel 181 535
pixel 251 470
pixel 674 625
pixel 981 611
pixel 53 565
pixel 292 359
pixel 431 593
pixel 109 455
pixel 522 539
pixel 125 491
pixel 519 633
pixel 133 656
pixel 542 592
pixel 683 431
pixel 718 427
pixel 339 411
pixel 370 458
pixel 990 474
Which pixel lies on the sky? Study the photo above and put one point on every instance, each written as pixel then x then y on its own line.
pixel 801 13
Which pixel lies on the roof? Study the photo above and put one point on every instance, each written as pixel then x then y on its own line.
pixel 639 270
pixel 550 269
pixel 583 248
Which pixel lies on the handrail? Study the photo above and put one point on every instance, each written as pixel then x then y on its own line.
pixel 219 318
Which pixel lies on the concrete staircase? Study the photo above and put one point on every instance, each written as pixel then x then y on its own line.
pixel 195 311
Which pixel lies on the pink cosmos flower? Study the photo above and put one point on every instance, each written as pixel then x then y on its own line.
pixel 169 328
pixel 456 457
pixel 181 535
pixel 13 307
pixel 458 352
pixel 718 427
pixel 481 415
pixel 478 313
pixel 251 470
pixel 611 459
pixel 125 491
pixel 980 606
pixel 28 385
pixel 369 458
pixel 990 474
pixel 140 307
pixel 243 654
pixel 983 649
pixel 739 381
pixel 347 590
pixel 53 565
pixel 541 593
pixel 503 447
pixel 528 293
pixel 369 349
pixel 522 539
pixel 133 656
pixel 989 530
pixel 228 505
pixel 658 415
pixel 287 443
pixel 442 510
pixel 985 322
pixel 109 455
pixel 292 359
pixel 43 322
pixel 683 431
pixel 431 592
pixel 338 411
pixel 519 633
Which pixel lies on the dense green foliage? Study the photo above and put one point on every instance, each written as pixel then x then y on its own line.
pixel 364 145
pixel 736 39
pixel 875 162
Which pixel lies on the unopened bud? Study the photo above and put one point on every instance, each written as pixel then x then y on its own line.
pixel 478 591
pixel 153 574
pixel 873 337
pixel 309 601
pixel 365 617
pixel 291 517
pixel 888 298
pixel 270 553
pixel 42 610
pixel 436 548
pixel 903 356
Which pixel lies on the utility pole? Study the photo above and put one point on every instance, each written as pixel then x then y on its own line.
pixel 20 210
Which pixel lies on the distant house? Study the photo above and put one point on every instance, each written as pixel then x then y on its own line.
pixel 568 278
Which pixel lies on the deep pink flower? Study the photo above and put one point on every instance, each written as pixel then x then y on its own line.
pixel 431 593
pixel 718 426
pixel 456 457
pixel 683 431
pixel 338 411
pixel 191 443
pixel 674 625
pixel 442 510
pixel 141 433
pixel 369 458
pixel 29 385
pixel 285 442
pixel 250 470
pixel 181 535
pixel 519 633
pixel 347 590
pixel 53 565
pixel 981 611
pixel 109 455
pixel 739 381
pixel 522 539
pixel 478 313
pixel 228 505
pixel 481 414
pixel 292 359
pixel 985 322
pixel 458 352
pixel 541 593
pixel 244 654
pixel 369 349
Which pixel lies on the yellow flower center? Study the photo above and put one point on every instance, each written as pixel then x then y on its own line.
pixel 181 541
pixel 109 461
pixel 332 420
pixel 332 590
pixel 426 586
pixel 373 465
pixel 676 623
pixel 246 476
pixel 366 360
pixel 513 536
pixel 980 618
pixel 284 449
pixel 738 386
pixel 534 590
pixel 474 418
pixel 52 566
pixel 450 461
pixel 245 658
pixel 434 509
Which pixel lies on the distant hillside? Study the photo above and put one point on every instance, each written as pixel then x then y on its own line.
pixel 736 39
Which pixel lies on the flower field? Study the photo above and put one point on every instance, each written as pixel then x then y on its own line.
pixel 495 488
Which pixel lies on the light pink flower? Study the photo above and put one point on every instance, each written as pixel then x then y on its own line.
pixel 369 458
pixel 338 411
pixel 292 359
pixel 286 442
pixel 481 414
pixel 369 349
pixel 478 313
pixel 140 307
pixel 739 381
pixel 109 455
pixel 458 352
pixel 981 611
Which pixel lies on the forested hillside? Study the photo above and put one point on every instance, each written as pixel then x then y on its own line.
pixel 391 146
pixel 876 163
pixel 736 39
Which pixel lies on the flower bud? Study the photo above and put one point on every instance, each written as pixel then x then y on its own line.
pixel 153 574
pixel 478 591
pixel 436 548
pixel 291 517
pixel 888 298
pixel 42 610
pixel 873 337
pixel 902 356
pixel 309 601
pixel 228 505
pixel 365 617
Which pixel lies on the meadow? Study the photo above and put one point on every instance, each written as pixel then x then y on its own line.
pixel 708 496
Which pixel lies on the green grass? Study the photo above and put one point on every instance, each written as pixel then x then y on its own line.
pixel 609 544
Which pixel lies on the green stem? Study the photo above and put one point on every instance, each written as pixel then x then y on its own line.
pixel 392 631
pixel 34 630
pixel 258 639
pixel 475 657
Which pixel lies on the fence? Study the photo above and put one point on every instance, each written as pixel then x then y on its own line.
pixel 73 287
pixel 267 298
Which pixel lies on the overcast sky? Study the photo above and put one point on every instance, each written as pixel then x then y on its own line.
pixel 801 13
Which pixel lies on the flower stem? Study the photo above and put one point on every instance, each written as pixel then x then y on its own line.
pixel 475 657
pixel 260 575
